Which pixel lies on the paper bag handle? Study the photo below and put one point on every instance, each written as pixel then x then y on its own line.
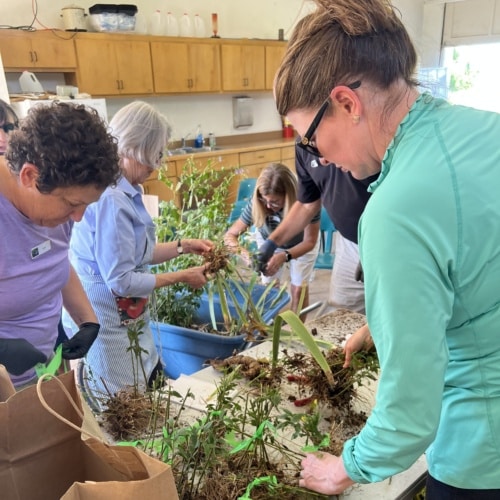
pixel 69 398
pixel 6 388
pixel 128 467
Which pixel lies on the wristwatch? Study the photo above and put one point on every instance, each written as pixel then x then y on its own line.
pixel 288 256
pixel 180 250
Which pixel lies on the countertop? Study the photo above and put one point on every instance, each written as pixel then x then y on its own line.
pixel 237 144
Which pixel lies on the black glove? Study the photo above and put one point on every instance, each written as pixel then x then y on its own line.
pixel 79 345
pixel 266 251
pixel 359 275
pixel 19 355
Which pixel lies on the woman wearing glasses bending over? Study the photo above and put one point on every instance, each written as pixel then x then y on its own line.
pixel 275 193
pixel 429 244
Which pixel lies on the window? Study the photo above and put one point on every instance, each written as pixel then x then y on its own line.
pixel 473 75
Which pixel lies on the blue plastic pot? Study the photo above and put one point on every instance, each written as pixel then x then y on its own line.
pixel 184 350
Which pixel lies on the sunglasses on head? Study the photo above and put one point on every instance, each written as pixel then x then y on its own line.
pixel 8 127
pixel 307 142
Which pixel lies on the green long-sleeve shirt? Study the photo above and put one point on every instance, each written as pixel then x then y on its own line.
pixel 430 249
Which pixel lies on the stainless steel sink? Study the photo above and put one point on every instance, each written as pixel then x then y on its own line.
pixel 187 150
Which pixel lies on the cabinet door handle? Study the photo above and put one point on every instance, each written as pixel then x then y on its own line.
pixel 122 86
pixel 36 56
pixel 118 84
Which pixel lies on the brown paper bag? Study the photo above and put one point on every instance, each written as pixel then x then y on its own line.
pixel 43 458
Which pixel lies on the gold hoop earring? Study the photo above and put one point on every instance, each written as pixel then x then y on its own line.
pixel 355 118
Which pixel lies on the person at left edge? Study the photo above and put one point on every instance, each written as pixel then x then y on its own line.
pixel 59 160
pixel 112 249
pixel 8 123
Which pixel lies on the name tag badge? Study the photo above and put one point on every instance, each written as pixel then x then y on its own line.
pixel 40 249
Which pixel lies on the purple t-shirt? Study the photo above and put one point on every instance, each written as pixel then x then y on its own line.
pixel 34 267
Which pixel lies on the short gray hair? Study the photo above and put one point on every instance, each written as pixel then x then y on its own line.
pixel 142 132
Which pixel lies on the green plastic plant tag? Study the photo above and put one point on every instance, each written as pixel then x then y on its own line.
pixel 52 366
pixel 271 480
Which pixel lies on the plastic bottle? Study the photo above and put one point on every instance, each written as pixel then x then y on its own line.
pixel 185 26
pixel 157 23
pixel 199 141
pixel 211 140
pixel 199 26
pixel 172 26
pixel 288 130
pixel 141 24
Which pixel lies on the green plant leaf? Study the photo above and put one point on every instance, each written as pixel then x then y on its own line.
pixel 299 329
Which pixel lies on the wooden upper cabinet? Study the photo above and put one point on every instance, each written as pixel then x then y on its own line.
pixel 243 66
pixel 114 67
pixel 104 64
pixel 39 50
pixel 185 67
pixel 274 55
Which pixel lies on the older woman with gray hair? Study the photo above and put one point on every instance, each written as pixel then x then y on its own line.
pixel 112 249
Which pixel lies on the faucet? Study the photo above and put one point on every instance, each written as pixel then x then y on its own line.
pixel 183 139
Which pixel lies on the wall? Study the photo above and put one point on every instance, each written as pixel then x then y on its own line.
pixel 237 19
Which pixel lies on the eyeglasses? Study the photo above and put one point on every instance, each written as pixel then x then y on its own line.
pixel 159 161
pixel 8 127
pixel 307 142
pixel 271 204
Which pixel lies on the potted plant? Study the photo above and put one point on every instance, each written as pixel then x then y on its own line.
pixel 191 326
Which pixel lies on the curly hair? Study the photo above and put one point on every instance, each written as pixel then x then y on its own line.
pixel 275 179
pixel 69 144
pixel 341 42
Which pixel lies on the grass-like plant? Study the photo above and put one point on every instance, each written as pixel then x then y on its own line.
pixel 203 214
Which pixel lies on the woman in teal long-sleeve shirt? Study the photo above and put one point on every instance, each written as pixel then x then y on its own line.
pixel 429 245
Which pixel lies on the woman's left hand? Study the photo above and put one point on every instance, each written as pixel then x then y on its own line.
pixel 324 473
pixel 275 263
pixel 197 246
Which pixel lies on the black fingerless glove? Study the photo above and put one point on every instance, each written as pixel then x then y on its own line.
pixel 266 251
pixel 19 355
pixel 79 345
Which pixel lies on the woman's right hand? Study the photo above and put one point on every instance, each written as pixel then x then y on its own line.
pixel 361 339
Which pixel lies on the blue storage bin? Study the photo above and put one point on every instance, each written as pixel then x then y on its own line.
pixel 184 350
pixel 272 304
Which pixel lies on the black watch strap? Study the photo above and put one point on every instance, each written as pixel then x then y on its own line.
pixel 288 256
pixel 180 250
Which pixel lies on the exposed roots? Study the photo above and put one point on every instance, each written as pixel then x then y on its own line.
pixel 128 414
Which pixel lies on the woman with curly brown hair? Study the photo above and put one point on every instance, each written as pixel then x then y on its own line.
pixel 429 244
pixel 58 161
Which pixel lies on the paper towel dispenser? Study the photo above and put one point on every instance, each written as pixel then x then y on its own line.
pixel 242 111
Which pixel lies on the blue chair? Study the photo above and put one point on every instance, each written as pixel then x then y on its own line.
pixel 246 189
pixel 238 207
pixel 326 229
